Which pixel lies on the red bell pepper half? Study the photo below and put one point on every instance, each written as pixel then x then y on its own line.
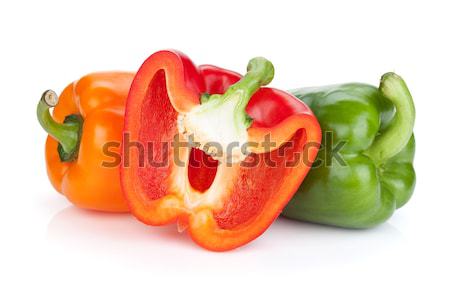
pixel 224 199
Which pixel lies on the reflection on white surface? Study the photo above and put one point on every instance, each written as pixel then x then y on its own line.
pixel 286 244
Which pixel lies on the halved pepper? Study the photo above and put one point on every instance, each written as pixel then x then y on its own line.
pixel 224 199
pixel 86 117
pixel 364 171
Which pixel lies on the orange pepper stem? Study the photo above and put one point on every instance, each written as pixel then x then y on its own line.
pixel 68 134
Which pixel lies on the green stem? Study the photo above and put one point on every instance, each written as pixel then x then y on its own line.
pixel 398 133
pixel 221 118
pixel 260 72
pixel 67 134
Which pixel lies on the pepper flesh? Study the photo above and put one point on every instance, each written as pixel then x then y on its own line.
pixel 99 100
pixel 222 206
pixel 377 176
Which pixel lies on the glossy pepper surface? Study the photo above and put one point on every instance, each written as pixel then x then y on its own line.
pixel 221 202
pixel 364 170
pixel 87 116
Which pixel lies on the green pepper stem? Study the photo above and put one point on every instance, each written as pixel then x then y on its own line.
pixel 399 131
pixel 222 118
pixel 260 72
pixel 67 134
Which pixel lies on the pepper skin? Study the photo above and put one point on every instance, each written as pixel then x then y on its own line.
pixel 378 176
pixel 88 114
pixel 221 203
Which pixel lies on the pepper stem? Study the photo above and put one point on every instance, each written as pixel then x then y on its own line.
pixel 398 133
pixel 221 119
pixel 67 134
pixel 260 72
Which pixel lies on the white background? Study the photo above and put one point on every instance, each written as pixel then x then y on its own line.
pixel 52 250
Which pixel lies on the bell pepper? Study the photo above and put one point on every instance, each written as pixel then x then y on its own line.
pixel 88 115
pixel 364 170
pixel 224 199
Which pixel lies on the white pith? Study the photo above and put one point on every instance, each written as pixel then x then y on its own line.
pixel 210 124
pixel 194 200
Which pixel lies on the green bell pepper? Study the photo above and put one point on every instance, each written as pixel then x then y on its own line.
pixel 364 169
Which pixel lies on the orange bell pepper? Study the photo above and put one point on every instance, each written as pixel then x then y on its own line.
pixel 88 115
